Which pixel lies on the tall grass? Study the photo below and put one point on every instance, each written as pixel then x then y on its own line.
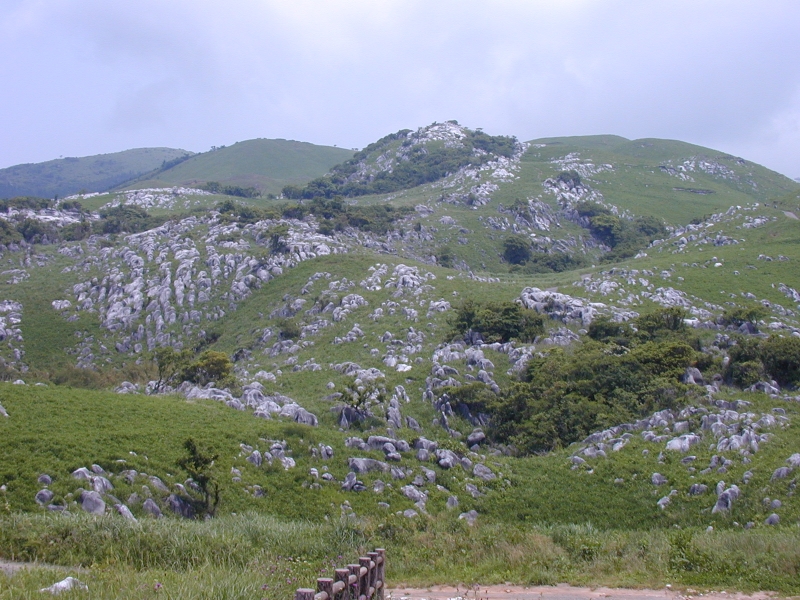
pixel 238 555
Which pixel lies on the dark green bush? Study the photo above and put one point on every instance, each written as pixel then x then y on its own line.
pixel 498 321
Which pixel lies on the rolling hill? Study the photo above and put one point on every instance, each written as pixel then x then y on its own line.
pixel 65 176
pixel 267 165
pixel 569 359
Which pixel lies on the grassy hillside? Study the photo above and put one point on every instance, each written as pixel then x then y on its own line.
pixel 595 433
pixel 264 164
pixel 98 173
pixel 665 178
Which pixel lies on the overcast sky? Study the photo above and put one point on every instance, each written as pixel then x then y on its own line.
pixel 81 77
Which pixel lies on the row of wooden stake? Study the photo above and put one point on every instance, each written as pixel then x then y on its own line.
pixel 364 581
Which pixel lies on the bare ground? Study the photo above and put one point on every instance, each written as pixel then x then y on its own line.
pixel 560 592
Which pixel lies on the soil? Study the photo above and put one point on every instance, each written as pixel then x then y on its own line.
pixel 560 592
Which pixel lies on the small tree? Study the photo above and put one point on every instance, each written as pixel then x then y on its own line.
pixel 169 363
pixel 199 464
pixel 209 366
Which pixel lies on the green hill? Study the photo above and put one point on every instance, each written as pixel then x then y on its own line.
pixel 665 178
pixel 267 165
pixel 592 343
pixel 65 176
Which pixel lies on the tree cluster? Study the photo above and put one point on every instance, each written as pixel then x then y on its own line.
pixel 617 374
pixel 498 321
pixel 624 237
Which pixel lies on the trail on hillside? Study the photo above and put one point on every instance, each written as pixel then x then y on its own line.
pixel 791 215
pixel 559 592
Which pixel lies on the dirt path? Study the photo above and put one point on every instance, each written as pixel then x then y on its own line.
pixel 790 214
pixel 8 567
pixel 559 592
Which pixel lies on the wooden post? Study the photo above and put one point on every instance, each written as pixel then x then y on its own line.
pixel 343 575
pixel 373 571
pixel 355 589
pixel 381 571
pixel 364 561
pixel 304 594
pixel 325 584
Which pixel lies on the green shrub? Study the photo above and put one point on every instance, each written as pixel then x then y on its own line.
pixel 498 321
pixel 781 358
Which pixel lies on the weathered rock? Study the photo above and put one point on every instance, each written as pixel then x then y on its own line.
pixel 82 473
pixel 255 458
pixel 44 497
pixel 65 585
pixel 101 484
pixel 150 507
pixel 124 511
pixel 414 494
pixel 470 517
pixel 155 482
pixel 773 519
pixel 180 506
pixel 367 465
pixel 780 473
pixel 45 479
pixel 477 437
pixel 697 489
pixel 452 502
pixel 658 479
pixel 93 503
pixel 473 490
pixel 481 471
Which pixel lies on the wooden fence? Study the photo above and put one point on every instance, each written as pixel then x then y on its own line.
pixel 364 581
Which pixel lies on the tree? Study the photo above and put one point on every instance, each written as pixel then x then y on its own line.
pixel 516 249
pixel 169 363
pixel 277 239
pixel 209 366
pixel 199 464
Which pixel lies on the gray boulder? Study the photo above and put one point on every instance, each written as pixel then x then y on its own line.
pixel 3 411
pixel 82 473
pixel 698 489
pixel 124 511
pixel 93 503
pixel 45 479
pixel 351 484
pixel 366 465
pixel 473 490
pixel 780 473
pixel 426 444
pixel 414 494
pixel 470 517
pixel 180 506
pixel 159 485
pixel 477 437
pixel 452 502
pixel 255 458
pixel 101 485
pixel 44 497
pixel 447 459
pixel 150 507
pixel 481 471
pixel 658 479
pixel 773 519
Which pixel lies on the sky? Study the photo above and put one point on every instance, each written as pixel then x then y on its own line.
pixel 83 77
